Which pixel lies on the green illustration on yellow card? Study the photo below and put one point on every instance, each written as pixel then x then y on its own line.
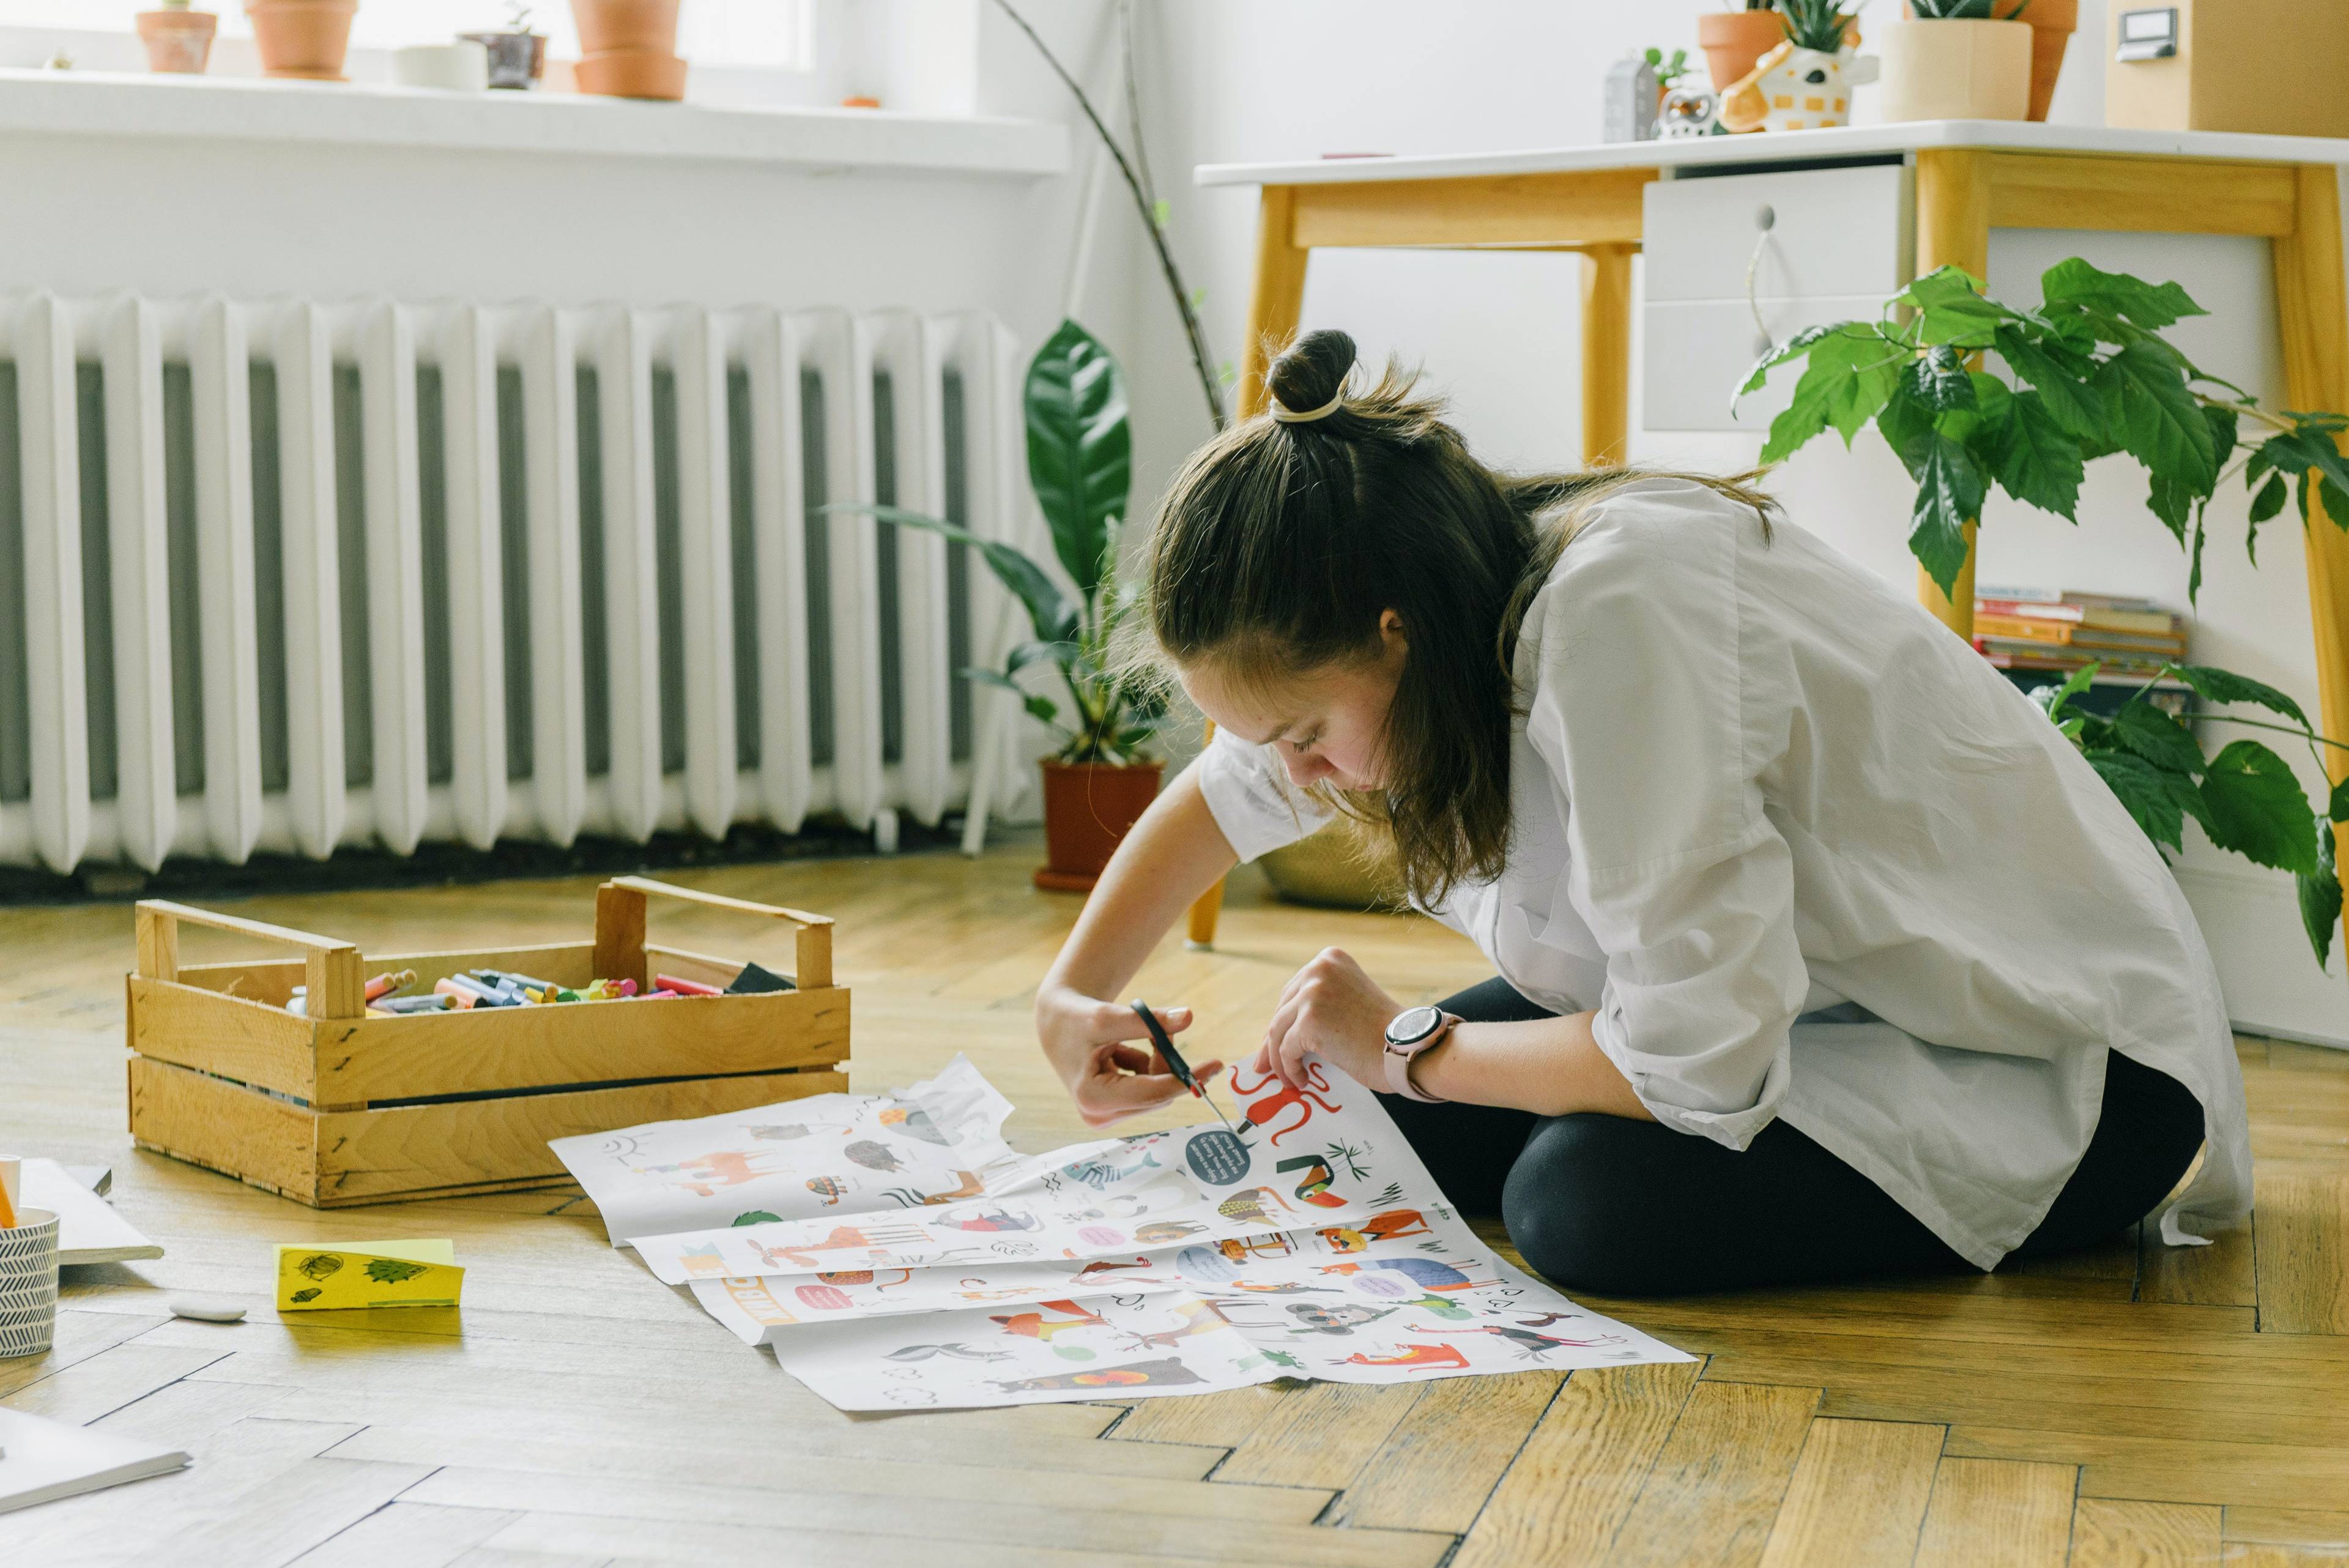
pixel 317 1275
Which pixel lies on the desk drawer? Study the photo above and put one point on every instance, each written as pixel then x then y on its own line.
pixel 1696 355
pixel 1832 232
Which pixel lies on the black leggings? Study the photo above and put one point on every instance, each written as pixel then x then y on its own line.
pixel 1622 1207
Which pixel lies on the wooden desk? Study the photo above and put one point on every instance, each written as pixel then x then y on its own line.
pixel 1971 177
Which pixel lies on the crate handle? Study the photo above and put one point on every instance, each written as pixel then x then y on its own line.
pixel 620 927
pixel 334 971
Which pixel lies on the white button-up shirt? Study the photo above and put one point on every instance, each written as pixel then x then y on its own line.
pixel 1807 856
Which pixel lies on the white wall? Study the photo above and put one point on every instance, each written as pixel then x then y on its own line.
pixel 1235 81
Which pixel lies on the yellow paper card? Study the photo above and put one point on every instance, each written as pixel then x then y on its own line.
pixel 322 1274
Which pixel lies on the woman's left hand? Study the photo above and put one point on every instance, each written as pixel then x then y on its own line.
pixel 1335 1011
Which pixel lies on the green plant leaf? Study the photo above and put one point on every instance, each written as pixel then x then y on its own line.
pixel 1064 654
pixel 1848 381
pixel 2169 498
pixel 2061 380
pixel 2156 737
pixel 1949 495
pixel 2161 422
pixel 2145 792
pixel 1938 379
pixel 1038 706
pixel 1950 309
pixel 2035 458
pixel 2215 685
pixel 1907 427
pixel 2055 699
pixel 1080 448
pixel 2257 808
pixel 1048 610
pixel 2319 898
pixel 1794 347
pixel 2269 499
pixel 2337 809
pixel 2151 306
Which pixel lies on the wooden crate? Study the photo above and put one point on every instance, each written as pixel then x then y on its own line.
pixel 344 1106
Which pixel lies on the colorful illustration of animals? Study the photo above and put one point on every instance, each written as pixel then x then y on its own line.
pixel 935 1143
pixel 1142 1265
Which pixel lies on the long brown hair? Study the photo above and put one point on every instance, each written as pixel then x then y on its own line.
pixel 1281 545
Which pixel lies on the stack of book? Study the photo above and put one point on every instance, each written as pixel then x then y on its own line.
pixel 2051 629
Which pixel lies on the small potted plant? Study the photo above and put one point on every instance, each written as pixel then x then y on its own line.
pixel 1957 59
pixel 627 48
pixel 303 40
pixel 1734 40
pixel 1804 83
pixel 179 40
pixel 517 55
pixel 2092 376
pixel 1080 464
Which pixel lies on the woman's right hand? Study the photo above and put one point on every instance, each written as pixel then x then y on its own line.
pixel 1093 1044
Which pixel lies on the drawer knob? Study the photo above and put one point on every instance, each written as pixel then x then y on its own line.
pixel 1765 217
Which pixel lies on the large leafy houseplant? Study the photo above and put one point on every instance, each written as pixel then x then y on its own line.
pixel 2092 376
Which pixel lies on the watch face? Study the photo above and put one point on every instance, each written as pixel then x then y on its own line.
pixel 1408 1028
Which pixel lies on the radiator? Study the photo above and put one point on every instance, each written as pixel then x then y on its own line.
pixel 284 576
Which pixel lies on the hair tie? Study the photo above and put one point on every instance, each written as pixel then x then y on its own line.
pixel 1290 416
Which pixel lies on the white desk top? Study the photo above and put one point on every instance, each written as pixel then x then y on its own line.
pixel 1790 147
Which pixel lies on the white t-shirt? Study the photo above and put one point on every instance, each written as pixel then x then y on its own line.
pixel 1754 785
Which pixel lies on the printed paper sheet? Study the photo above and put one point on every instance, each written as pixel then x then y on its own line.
pixel 1312 1245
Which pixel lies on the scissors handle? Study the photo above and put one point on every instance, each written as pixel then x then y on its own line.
pixel 1165 1044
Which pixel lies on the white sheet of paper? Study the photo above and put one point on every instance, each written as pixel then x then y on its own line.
pixel 851 1153
pixel 88 1229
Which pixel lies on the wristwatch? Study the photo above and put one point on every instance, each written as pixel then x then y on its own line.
pixel 1410 1033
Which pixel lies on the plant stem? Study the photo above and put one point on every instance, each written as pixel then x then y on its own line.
pixel 2309 735
pixel 2273 421
pixel 1191 327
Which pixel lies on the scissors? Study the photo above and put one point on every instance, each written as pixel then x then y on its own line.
pixel 1173 1058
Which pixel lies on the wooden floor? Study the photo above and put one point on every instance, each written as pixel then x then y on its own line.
pixel 2122 1408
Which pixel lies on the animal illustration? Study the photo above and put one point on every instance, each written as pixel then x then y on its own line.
pixel 971 1187
pixel 1165 1192
pixel 310 1295
pixel 1168 1374
pixel 1386 1227
pixel 791 1132
pixel 873 1155
pixel 954 1351
pixel 1412 1355
pixel 1262 1113
pixel 1197 1317
pixel 707 1175
pixel 865 1277
pixel 996 1218
pixel 1098 1173
pixel 1035 1325
pixel 1272 1245
pixel 1099 1270
pixel 1425 1271
pixel 825 1298
pixel 1164 1232
pixel 830 1189
pixel 843 1238
pixel 1531 1346
pixel 703 1260
pixel 392 1270
pixel 1314 1185
pixel 1335 1320
pixel 1795 89
pixel 1251 1207
pixel 914 1123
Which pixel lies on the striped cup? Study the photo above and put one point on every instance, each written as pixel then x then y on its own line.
pixel 29 1284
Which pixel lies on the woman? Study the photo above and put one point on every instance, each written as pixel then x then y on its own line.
pixel 1821 952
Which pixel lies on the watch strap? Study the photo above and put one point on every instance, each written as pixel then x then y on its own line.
pixel 1398 1060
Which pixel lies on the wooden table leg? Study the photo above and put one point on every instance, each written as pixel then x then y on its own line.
pixel 1952 230
pixel 1607 355
pixel 1274 306
pixel 2313 309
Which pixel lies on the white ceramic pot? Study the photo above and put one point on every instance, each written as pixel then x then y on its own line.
pixel 1954 70
pixel 460 67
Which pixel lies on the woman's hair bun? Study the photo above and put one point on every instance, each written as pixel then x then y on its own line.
pixel 1309 374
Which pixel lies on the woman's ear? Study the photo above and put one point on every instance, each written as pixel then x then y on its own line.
pixel 1390 632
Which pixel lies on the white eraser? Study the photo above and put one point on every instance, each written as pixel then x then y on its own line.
pixel 208 1309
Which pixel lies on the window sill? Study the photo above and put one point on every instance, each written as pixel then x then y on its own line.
pixel 91 103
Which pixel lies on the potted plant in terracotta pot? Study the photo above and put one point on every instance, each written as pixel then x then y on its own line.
pixel 627 48
pixel 1079 463
pixel 1734 40
pixel 179 40
pixel 305 40
pixel 1957 59
pixel 2053 22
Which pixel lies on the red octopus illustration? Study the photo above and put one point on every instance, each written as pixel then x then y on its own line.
pixel 1261 1113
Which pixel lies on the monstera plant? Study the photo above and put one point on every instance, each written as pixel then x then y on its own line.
pixel 2090 375
pixel 1080 464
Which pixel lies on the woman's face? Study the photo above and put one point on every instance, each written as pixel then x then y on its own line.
pixel 1327 724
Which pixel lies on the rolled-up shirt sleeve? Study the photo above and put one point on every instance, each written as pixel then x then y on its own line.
pixel 1640 708
pixel 1248 794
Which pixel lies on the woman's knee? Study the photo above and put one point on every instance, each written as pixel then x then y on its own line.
pixel 1571 1208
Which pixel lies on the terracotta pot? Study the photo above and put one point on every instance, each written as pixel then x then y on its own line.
pixel 179 43
pixel 631 73
pixel 649 26
pixel 1954 70
pixel 2051 25
pixel 302 39
pixel 1088 807
pixel 1734 40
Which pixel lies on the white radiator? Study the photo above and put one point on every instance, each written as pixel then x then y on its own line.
pixel 291 575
